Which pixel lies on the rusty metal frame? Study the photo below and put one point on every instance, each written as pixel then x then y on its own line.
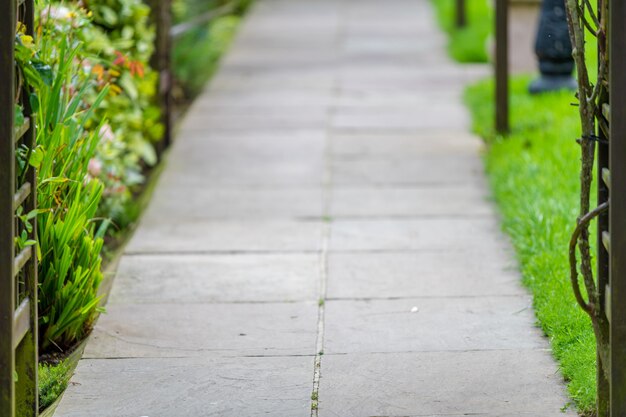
pixel 502 67
pixel 616 178
pixel 166 36
pixel 461 14
pixel 18 271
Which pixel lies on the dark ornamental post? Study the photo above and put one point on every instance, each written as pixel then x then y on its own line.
pixel 554 50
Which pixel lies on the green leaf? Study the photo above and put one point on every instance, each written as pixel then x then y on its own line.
pixel 44 71
pixel 19 116
pixel 36 157
pixel 34 102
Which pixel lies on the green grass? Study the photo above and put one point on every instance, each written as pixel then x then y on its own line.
pixel 196 54
pixel 468 44
pixel 53 380
pixel 534 177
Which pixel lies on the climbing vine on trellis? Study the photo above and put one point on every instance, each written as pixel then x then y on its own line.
pixel 587 21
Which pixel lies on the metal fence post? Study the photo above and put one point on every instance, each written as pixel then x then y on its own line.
pixel 617 211
pixel 161 62
pixel 7 185
pixel 18 271
pixel 461 14
pixel 502 67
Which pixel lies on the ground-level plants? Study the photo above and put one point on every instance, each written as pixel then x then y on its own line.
pixel 88 79
pixel 469 43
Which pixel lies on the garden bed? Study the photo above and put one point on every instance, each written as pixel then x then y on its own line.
pixel 93 94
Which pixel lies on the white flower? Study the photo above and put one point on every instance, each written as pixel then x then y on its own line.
pixel 55 12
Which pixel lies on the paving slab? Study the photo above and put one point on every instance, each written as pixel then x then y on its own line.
pixel 205 143
pixel 403 171
pixel 430 324
pixel 259 95
pixel 267 118
pixel 239 172
pixel 475 235
pixel 496 383
pixel 420 274
pixel 226 236
pixel 467 200
pixel 269 77
pixel 217 278
pixel 203 201
pixel 426 117
pixel 184 387
pixel 408 145
pixel 197 329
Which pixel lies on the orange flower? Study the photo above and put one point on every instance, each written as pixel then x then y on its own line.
pixel 137 69
pixel 99 71
pixel 120 60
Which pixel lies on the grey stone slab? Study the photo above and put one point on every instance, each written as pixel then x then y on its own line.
pixel 509 383
pixel 409 145
pixel 470 199
pixel 404 171
pixel 275 78
pixel 422 274
pixel 426 117
pixel 246 157
pixel 260 95
pixel 288 27
pixel 202 202
pixel 244 171
pixel 275 58
pixel 261 118
pixel 474 235
pixel 201 142
pixel 217 278
pixel 166 236
pixel 384 45
pixel 439 324
pixel 409 71
pixel 391 99
pixel 199 329
pixel 219 387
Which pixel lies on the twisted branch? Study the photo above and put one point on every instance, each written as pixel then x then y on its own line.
pixel 583 223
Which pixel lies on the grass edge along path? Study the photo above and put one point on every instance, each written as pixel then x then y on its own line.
pixel 534 179
pixel 467 44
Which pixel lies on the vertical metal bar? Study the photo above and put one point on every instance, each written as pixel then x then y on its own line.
pixel 617 213
pixel 7 188
pixel 26 354
pixel 502 67
pixel 461 14
pixel 603 386
pixel 161 62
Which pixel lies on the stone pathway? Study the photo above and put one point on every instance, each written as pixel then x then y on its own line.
pixel 321 242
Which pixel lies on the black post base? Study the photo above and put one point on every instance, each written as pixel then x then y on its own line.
pixel 547 83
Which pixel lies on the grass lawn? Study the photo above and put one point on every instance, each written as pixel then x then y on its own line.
pixel 534 177
pixel 468 44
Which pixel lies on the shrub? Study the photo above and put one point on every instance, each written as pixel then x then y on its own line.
pixel 196 54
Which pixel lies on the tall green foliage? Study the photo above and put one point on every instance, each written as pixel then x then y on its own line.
pixel 69 245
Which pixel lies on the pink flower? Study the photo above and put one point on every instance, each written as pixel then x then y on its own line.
pixel 106 133
pixel 55 12
pixel 94 167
